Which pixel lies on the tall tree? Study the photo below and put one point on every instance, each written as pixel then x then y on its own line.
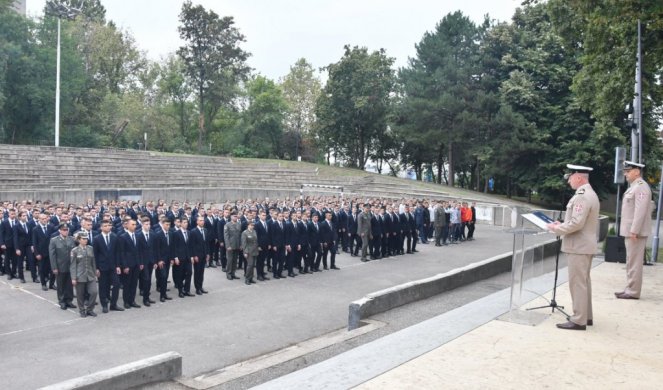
pixel 354 105
pixel 213 59
pixel 439 88
pixel 264 118
pixel 301 88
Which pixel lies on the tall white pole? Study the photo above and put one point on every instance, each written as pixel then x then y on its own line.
pixel 639 96
pixel 57 92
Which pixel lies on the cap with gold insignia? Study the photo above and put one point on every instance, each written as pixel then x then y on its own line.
pixel 80 235
pixel 576 169
pixel 628 165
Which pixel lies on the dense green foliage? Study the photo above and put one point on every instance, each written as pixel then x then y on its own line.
pixel 512 101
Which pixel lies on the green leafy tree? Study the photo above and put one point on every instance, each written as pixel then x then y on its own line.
pixel 354 105
pixel 264 118
pixel 213 60
pixel 301 88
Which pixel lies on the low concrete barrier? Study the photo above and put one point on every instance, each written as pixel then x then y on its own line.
pixel 393 297
pixel 158 368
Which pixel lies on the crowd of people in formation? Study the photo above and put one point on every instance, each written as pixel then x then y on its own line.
pixel 105 247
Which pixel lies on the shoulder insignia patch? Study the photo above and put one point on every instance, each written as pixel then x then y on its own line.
pixel 641 195
pixel 641 181
pixel 578 208
pixel 580 191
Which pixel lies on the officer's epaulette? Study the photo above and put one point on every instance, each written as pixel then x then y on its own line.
pixel 580 191
pixel 641 181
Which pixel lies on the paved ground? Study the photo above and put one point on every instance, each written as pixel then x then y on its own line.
pixel 232 323
pixel 473 347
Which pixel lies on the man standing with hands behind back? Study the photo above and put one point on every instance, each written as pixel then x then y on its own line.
pixel 635 227
pixel 579 232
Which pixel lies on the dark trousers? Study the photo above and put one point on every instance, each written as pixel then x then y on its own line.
pixel 355 243
pixel 470 229
pixel 376 243
pixel 109 288
pixel 385 245
pixel 406 237
pixel 213 252
pixel 10 254
pixel 422 233
pixel 290 259
pixel 345 240
pixel 414 240
pixel 329 248
pixel 147 281
pixel 45 273
pixel 305 257
pixel 162 279
pixel 19 262
pixel 222 255
pixel 182 276
pixel 278 260
pixel 65 289
pixel 262 257
pixel 199 274
pixel 315 256
pixel 129 284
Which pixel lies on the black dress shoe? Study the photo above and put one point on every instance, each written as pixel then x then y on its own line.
pixel 34 280
pixel 43 287
pixel 229 277
pixel 223 269
pixel 202 290
pixel 63 306
pixel 168 298
pixel 260 278
pixel 91 313
pixel 590 322
pixel 252 281
pixel 212 265
pixel 276 277
pixel 151 301
pixel 71 305
pixel 291 275
pixel 335 267
pixel 52 287
pixel 104 309
pixel 326 269
pixel 116 308
pixel 247 282
pixel 198 292
pixel 188 294
pixel 83 314
pixel 135 305
pixel 162 299
pixel 146 303
pixel 181 295
pixel 127 306
pixel 571 326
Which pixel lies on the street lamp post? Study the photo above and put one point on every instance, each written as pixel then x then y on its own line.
pixel 60 11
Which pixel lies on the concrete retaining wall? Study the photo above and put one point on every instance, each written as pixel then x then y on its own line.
pixel 158 368
pixel 396 296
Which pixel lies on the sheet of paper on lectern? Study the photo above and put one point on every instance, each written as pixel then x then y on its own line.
pixel 539 219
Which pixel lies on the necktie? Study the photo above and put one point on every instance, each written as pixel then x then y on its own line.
pixel 25 227
pixel 133 238
pixel 106 239
pixel 264 225
pixel 165 233
pixel 147 237
pixel 280 226
pixel 184 232
pixel 202 232
pixel 44 229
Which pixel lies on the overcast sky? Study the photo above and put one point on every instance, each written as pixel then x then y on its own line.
pixel 278 32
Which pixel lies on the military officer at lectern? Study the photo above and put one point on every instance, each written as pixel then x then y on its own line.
pixel 635 227
pixel 579 238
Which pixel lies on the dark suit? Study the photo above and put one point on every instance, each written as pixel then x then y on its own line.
pixel 277 241
pixel 181 250
pixel 302 253
pixel 148 254
pixel 22 242
pixel 106 259
pixel 163 247
pixel 199 244
pixel 7 239
pixel 130 262
pixel 41 236
pixel 220 225
pixel 263 246
pixel 376 233
pixel 329 238
pixel 210 227
pixel 315 244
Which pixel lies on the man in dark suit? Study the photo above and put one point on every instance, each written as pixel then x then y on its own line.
pixel 163 248
pixel 301 224
pixel 329 237
pixel 220 226
pixel 182 259
pixel 277 241
pixel 22 243
pixel 264 246
pixel 291 243
pixel 7 244
pixel 200 244
pixel 130 263
pixel 106 252
pixel 376 233
pixel 414 232
pixel 406 234
pixel 315 243
pixel 41 236
pixel 210 228
pixel 146 246
pixel 343 219
pixel 386 232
